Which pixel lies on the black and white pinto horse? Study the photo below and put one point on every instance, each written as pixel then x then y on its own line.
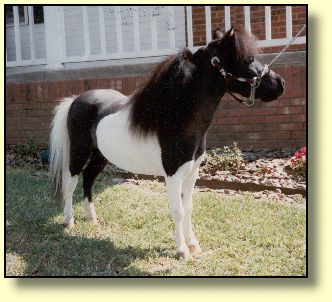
pixel 158 130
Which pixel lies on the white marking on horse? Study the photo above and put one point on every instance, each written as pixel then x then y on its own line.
pixel 187 194
pixel 121 147
pixel 90 212
pixel 180 188
pixel 69 189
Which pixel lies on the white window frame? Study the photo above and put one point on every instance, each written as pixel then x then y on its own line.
pixel 26 18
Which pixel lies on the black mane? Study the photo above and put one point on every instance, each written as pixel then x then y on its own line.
pixel 162 97
pixel 244 45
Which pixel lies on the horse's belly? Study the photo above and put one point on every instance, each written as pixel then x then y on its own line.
pixel 125 150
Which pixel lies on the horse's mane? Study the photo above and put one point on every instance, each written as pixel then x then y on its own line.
pixel 153 103
pixel 244 45
pixel 165 95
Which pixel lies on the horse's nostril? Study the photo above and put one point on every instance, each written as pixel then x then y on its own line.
pixel 282 81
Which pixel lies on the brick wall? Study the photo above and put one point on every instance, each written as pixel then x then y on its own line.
pixel 257 17
pixel 278 124
pixel 273 125
pixel 29 106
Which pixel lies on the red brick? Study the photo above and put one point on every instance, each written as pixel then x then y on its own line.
pixel 277 135
pixel 103 83
pixel 264 111
pixel 14 106
pixel 118 84
pixel 10 93
pixel 252 136
pixel 234 128
pixel 221 113
pixel 298 134
pixel 81 86
pixel 240 112
pixel 263 144
pixel 93 83
pixel 57 90
pixel 251 119
pixel 227 120
pixel 69 91
pixel 112 84
pixel 298 101
pixel 281 102
pixel 74 87
pixel 50 91
pixel 138 82
pixel 264 127
pixel 129 85
pixel 290 110
pixel 291 126
pixel 298 118
pixel 63 89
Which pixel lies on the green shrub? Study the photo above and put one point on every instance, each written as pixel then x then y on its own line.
pixel 28 149
pixel 229 158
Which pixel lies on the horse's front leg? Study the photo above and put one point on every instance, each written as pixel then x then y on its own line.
pixel 174 190
pixel 187 193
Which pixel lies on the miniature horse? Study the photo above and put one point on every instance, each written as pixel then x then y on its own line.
pixel 158 130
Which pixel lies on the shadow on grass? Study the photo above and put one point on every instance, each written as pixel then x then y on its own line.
pixel 46 248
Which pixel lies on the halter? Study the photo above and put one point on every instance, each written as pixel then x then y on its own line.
pixel 253 82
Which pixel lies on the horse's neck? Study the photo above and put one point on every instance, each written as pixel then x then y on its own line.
pixel 207 103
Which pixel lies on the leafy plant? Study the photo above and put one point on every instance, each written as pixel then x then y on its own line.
pixel 229 158
pixel 28 149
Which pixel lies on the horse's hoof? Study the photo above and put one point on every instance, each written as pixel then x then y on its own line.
pixel 69 223
pixel 183 255
pixel 195 249
pixel 93 221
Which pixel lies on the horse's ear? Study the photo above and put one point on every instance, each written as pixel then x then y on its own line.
pixel 217 34
pixel 187 54
pixel 230 33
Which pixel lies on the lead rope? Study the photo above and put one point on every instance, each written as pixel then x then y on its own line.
pixel 287 46
pixel 257 80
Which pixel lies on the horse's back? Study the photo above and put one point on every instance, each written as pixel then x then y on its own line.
pixel 88 109
pixel 102 98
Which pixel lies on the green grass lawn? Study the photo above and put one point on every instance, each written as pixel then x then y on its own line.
pixel 239 236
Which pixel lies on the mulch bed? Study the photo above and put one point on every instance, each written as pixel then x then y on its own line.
pixel 265 168
pixel 265 172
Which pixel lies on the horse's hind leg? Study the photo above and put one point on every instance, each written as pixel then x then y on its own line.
pixel 68 190
pixel 187 192
pixel 95 166
pixel 78 157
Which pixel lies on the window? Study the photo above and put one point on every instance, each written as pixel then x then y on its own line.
pixel 22 15
pixel 38 15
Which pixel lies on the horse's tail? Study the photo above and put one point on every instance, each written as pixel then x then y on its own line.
pixel 60 148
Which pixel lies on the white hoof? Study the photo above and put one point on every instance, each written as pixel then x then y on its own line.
pixel 195 249
pixel 69 222
pixel 93 221
pixel 185 254
pixel 90 212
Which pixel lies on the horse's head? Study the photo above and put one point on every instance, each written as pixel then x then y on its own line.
pixel 233 54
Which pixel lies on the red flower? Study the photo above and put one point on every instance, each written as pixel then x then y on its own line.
pixel 303 150
pixel 298 154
